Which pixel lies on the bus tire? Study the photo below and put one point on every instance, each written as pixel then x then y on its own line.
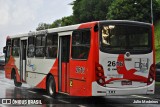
pixel 17 84
pixel 12 74
pixel 51 87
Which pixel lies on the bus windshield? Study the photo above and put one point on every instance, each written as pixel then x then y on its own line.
pixel 121 38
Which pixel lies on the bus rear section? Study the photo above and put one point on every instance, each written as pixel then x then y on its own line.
pixel 126 59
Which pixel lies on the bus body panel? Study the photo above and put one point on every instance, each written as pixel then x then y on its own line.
pixel 17 63
pixel 78 78
pixel 37 70
pixel 9 67
pixel 136 69
pixel 81 76
pixel 115 87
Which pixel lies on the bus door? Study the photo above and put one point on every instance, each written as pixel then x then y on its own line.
pixel 63 63
pixel 23 59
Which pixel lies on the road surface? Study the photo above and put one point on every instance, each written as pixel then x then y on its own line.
pixel 26 93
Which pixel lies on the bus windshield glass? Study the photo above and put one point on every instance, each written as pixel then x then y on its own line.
pixel 125 38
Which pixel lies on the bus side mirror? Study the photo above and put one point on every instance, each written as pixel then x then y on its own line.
pixel 4 49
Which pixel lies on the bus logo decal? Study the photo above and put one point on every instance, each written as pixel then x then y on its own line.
pixel 129 74
pixel 32 66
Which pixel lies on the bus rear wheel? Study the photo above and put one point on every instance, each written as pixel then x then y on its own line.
pixel 17 84
pixel 51 87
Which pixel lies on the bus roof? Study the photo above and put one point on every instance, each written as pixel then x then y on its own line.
pixel 52 30
pixel 73 27
pixel 125 22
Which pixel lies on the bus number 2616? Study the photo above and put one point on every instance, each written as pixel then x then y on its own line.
pixel 114 63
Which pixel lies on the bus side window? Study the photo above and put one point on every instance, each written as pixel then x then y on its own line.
pixel 15 47
pixel 80 44
pixel 31 47
pixel 51 45
pixel 40 46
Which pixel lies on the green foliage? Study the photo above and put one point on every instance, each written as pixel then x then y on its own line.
pixel 157 40
pixel 157 54
pixel 157 33
pixel 90 10
pixel 43 26
pixel 67 21
pixel 157 83
pixel 56 23
pixel 139 10
pixel 158 1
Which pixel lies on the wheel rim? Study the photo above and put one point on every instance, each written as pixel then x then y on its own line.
pixel 51 89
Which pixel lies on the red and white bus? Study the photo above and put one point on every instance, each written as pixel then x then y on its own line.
pixel 114 57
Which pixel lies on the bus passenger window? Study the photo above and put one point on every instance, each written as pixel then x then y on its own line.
pixel 40 46
pixel 31 47
pixel 51 45
pixel 15 47
pixel 80 44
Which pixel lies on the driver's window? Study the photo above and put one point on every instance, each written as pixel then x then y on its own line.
pixel 8 50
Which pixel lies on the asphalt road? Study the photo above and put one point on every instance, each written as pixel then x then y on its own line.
pixel 9 91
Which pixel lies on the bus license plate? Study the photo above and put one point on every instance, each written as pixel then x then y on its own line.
pixel 126 82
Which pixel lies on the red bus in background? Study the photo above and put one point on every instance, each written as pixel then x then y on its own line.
pixel 112 57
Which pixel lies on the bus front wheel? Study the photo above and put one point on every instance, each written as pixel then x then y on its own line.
pixel 17 84
pixel 51 86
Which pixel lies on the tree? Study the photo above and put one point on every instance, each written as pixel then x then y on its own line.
pixel 65 21
pixel 56 23
pixel 90 10
pixel 42 26
pixel 139 10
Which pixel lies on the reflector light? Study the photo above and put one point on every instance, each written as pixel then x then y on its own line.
pixel 99 68
pixel 151 79
pixel 151 76
pixel 152 68
pixel 151 90
pixel 99 74
pixel 100 81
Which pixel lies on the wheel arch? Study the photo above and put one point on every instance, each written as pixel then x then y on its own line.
pixel 48 82
pixel 48 75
